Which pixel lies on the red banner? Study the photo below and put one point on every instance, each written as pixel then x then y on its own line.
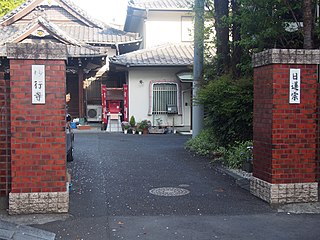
pixel 104 103
pixel 125 102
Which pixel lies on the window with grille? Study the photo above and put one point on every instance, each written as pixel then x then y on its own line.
pixel 164 94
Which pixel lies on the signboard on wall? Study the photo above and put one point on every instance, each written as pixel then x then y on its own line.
pixel 38 84
pixel 295 86
pixel 104 103
pixel 125 102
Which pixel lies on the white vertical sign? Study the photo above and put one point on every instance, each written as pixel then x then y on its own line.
pixel 295 86
pixel 38 84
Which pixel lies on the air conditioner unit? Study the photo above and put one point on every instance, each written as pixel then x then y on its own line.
pixel 94 113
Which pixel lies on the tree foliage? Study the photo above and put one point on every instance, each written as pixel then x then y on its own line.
pixel 255 25
pixel 8 5
pixel 242 28
pixel 228 108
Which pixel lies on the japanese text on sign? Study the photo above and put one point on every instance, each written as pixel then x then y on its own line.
pixel 295 84
pixel 38 84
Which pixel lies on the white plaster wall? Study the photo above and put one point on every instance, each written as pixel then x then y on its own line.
pixel 139 94
pixel 163 27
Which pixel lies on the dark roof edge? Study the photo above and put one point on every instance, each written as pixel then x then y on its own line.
pixel 159 9
pixel 149 65
pixel 117 43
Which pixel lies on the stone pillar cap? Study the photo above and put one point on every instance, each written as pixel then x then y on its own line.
pixel 286 56
pixel 43 51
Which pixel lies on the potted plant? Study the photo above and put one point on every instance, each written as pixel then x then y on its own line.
pixel 157 129
pixel 139 129
pixel 125 126
pixel 144 125
pixel 132 123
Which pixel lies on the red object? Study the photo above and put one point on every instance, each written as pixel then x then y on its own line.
pixel 126 102
pixel 104 103
pixel 114 107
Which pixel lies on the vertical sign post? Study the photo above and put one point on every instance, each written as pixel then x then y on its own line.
pixel 104 102
pixel 295 86
pixel 126 102
pixel 38 84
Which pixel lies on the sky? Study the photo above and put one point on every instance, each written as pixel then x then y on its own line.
pixel 108 11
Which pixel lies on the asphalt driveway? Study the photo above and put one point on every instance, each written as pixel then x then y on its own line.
pixel 112 175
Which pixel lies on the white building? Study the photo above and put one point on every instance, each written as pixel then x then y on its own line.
pixel 160 21
pixel 159 76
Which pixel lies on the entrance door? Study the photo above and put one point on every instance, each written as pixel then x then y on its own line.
pixel 186 108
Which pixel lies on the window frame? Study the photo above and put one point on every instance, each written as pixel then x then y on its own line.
pixel 152 84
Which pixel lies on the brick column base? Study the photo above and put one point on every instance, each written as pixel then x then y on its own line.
pixel 37 203
pixel 284 193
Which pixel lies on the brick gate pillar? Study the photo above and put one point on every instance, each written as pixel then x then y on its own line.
pixel 286 134
pixel 38 151
pixel 5 168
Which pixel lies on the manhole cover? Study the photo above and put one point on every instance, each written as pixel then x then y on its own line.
pixel 169 192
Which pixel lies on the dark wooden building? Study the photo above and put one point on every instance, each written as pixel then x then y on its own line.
pixel 89 44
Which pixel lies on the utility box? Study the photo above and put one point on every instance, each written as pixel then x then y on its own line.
pixel 172 109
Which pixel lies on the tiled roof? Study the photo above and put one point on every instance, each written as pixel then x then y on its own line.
pixel 169 54
pixel 162 4
pixel 85 34
pixel 8 32
pixel 82 51
pixel 96 35
pixel 71 5
pixel 78 36
pixel 51 27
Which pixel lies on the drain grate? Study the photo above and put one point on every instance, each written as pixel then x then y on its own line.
pixel 169 192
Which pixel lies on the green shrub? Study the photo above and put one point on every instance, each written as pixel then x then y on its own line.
pixel 228 107
pixel 204 144
pixel 132 121
pixel 236 155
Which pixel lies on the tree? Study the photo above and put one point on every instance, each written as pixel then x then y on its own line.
pixel 221 13
pixel 8 5
pixel 236 50
pixel 308 24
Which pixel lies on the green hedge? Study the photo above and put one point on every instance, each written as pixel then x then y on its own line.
pixel 204 144
pixel 228 109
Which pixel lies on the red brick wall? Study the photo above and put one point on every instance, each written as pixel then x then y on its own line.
pixel 285 135
pixel 38 136
pixel 5 167
pixel 262 127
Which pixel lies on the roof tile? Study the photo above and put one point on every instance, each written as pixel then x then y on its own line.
pixel 170 54
pixel 162 4
pixel 80 36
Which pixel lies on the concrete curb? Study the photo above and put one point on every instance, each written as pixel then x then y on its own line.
pixel 241 181
pixel 294 208
pixel 10 231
